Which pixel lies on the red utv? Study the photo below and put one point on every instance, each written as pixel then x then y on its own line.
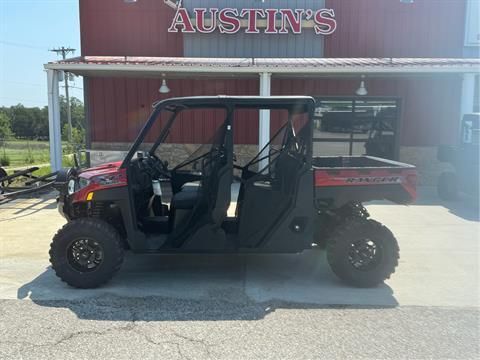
pixel 287 200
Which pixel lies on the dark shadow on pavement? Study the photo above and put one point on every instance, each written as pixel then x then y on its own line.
pixel 25 206
pixel 207 287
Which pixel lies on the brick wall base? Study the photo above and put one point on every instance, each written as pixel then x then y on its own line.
pixel 173 153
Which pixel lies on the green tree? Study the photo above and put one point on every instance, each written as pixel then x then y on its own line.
pixel 78 135
pixel 32 123
pixel 77 110
pixel 5 126
pixel 29 123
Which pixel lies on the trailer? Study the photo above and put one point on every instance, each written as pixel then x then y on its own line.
pixel 23 182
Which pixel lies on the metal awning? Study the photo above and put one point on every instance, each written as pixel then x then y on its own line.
pixel 228 67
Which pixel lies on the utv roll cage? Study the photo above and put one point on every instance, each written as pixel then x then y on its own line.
pixel 293 104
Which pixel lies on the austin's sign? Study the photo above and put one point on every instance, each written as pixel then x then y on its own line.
pixel 253 21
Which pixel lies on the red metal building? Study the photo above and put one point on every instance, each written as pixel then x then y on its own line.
pixel 428 107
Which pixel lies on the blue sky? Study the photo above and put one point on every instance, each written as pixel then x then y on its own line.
pixel 28 29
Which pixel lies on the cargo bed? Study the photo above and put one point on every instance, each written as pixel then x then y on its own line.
pixel 342 179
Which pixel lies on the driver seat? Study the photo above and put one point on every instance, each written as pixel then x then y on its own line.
pixel 187 197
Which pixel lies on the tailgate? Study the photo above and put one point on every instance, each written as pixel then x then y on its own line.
pixel 339 180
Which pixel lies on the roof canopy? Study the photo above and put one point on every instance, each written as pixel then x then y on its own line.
pixel 181 67
pixel 293 103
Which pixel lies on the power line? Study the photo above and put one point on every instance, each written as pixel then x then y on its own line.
pixel 22 83
pixel 20 100
pixel 11 43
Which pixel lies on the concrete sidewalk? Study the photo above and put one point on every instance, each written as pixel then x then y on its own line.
pixel 439 263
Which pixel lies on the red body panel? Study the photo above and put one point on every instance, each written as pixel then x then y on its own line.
pixel 104 169
pixel 406 178
pixel 102 177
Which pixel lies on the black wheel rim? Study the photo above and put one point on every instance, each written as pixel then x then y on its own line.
pixel 85 255
pixel 365 254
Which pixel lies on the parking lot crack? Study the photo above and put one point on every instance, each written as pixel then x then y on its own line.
pixel 129 327
pixel 202 342
pixel 148 339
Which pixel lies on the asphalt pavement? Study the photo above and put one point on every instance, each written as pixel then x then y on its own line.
pixel 247 307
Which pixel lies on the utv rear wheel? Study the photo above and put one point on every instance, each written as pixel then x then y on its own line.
pixel 447 186
pixel 363 253
pixel 86 253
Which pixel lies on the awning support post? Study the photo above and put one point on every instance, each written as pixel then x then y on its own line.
pixel 264 119
pixel 54 130
pixel 468 94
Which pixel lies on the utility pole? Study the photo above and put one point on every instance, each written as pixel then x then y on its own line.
pixel 64 51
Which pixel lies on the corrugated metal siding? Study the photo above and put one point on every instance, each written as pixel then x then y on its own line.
pixel 120 107
pixel 239 45
pixel 366 28
pixel 113 27
pixel 307 44
pixel 390 28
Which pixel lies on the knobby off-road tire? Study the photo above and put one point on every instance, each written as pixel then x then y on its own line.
pixel 347 247
pixel 327 225
pixel 86 253
pixel 447 186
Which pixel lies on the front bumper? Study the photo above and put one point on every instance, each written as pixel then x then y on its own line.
pixel 63 206
pixel 61 185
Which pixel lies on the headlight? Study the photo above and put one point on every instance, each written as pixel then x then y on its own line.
pixel 112 179
pixel 71 187
pixel 82 182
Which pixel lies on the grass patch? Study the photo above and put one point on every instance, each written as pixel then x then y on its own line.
pixel 17 153
pixel 67 161
pixel 21 152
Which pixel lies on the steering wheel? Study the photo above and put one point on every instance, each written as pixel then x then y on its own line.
pixel 158 166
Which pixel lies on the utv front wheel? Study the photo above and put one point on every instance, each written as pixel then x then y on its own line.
pixel 86 253
pixel 363 253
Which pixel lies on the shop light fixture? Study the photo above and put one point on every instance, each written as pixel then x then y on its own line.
pixel 130 1
pixel 164 89
pixel 362 90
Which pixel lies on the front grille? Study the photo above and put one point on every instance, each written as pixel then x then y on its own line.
pixel 97 209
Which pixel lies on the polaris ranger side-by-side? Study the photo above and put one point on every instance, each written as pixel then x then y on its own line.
pixel 287 201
